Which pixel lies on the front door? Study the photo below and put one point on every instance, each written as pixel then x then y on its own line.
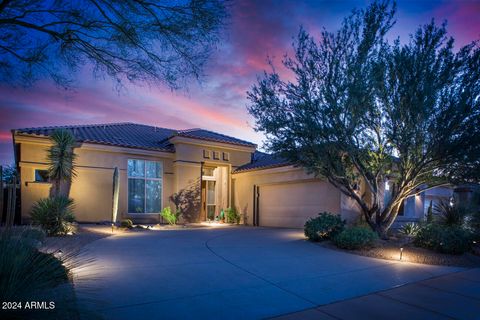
pixel 209 205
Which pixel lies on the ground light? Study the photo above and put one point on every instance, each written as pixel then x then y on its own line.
pixel 401 253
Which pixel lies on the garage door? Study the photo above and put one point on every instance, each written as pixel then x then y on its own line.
pixel 290 205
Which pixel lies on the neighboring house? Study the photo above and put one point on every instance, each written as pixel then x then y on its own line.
pixel 207 171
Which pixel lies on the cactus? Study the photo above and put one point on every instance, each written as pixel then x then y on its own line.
pixel 116 189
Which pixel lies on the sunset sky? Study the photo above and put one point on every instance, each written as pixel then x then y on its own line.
pixel 256 29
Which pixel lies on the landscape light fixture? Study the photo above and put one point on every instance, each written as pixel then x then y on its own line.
pixel 401 253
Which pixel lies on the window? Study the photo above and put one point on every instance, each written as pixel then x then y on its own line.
pixel 144 186
pixel 41 175
pixel 206 154
pixel 210 200
pixel 208 171
pixel 226 156
pixel 216 155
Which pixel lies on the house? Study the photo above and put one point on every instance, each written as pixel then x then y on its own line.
pixel 205 171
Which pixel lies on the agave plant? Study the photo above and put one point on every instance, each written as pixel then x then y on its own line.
pixel 61 158
pixel 54 215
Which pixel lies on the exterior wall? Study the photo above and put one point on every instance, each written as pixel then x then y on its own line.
pixel 93 186
pixel 415 206
pixel 189 159
pixel 331 198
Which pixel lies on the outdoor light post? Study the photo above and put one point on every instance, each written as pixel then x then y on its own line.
pixel 401 253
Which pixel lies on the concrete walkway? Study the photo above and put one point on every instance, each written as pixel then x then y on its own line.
pixel 229 273
pixel 452 296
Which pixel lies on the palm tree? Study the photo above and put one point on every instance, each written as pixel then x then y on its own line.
pixel 62 162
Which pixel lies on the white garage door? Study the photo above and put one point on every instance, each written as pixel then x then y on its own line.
pixel 291 205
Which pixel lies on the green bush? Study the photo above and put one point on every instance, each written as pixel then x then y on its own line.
pixel 355 238
pixel 126 223
pixel 445 239
pixel 410 229
pixel 169 216
pixel 54 215
pixel 323 227
pixel 233 216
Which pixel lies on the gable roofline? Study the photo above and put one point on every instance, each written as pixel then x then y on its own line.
pixel 207 135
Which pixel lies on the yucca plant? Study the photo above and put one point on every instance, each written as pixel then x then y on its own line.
pixel 410 229
pixel 450 214
pixel 61 158
pixel 54 215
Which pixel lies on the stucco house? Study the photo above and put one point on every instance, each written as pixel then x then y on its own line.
pixel 207 171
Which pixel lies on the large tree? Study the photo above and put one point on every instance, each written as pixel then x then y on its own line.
pixel 135 40
pixel 362 112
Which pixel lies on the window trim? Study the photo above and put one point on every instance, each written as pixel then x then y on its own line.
pixel 144 178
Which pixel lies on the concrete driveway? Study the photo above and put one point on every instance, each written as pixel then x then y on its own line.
pixel 229 273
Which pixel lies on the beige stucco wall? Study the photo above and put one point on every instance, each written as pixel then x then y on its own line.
pixel 92 187
pixel 293 190
pixel 189 158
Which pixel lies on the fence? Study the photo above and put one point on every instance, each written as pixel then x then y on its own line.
pixel 9 201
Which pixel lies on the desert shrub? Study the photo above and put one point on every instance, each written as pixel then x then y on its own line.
pixel 410 229
pixel 355 238
pixel 450 215
pixel 323 227
pixel 169 216
pixel 126 223
pixel 54 215
pixel 27 274
pixel 445 239
pixel 232 216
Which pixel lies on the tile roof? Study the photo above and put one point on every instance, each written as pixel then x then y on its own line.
pixel 132 135
pixel 263 160
pixel 202 134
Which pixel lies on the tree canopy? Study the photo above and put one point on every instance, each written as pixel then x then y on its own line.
pixel 362 112
pixel 136 40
